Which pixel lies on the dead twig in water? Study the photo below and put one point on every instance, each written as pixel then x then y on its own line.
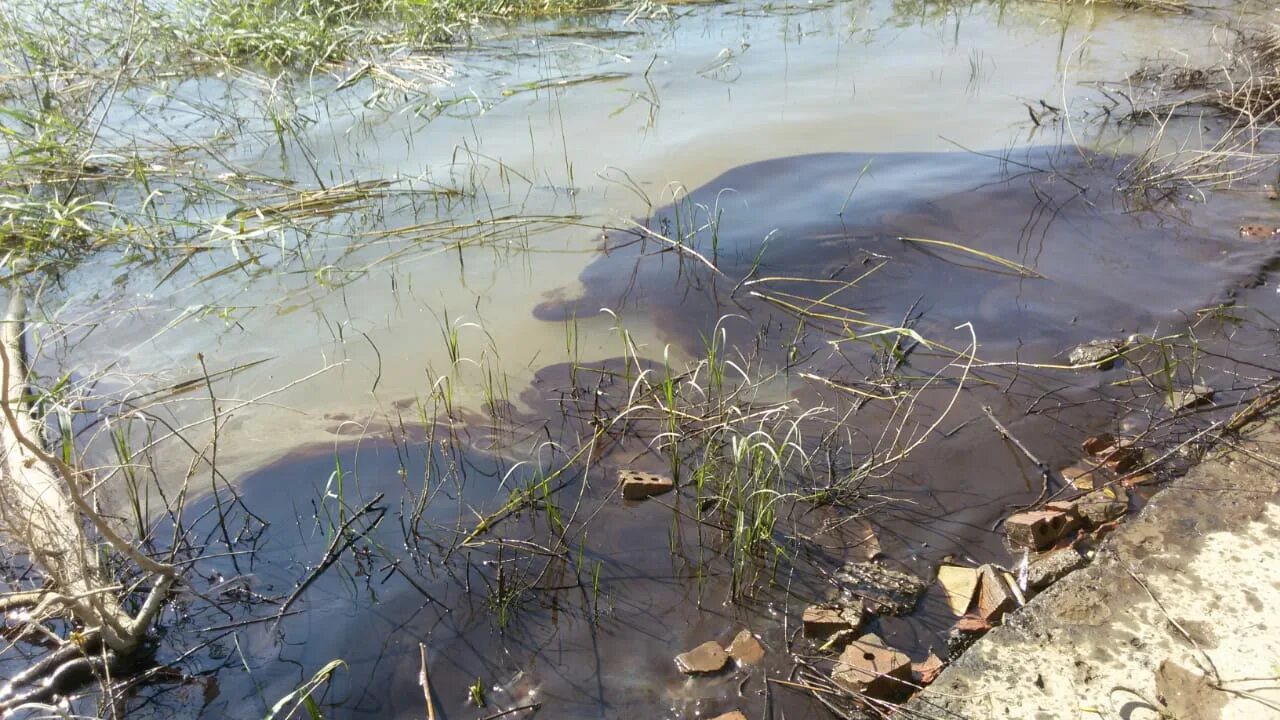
pixel 425 681
pixel 677 246
pixel 341 541
pixel 531 706
pixel 1046 476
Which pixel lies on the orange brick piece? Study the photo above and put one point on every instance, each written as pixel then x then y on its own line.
pixel 1038 529
pixel 870 667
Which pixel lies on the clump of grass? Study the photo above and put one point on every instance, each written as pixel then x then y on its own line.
pixel 1243 89
pixel 310 32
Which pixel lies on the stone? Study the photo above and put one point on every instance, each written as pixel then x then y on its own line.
pixel 1103 505
pixel 708 657
pixel 1100 354
pixel 822 621
pixel 959 584
pixel 869 667
pixel 638 485
pixel 1052 567
pixel 885 590
pixel 1038 529
pixel 745 649
pixel 995 598
pixel 731 715
pixel 1188 398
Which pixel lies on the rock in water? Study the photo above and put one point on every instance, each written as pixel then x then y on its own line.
pixel 708 657
pixel 1101 354
pixel 745 649
pixel 886 591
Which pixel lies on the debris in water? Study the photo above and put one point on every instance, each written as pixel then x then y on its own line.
pixel 1098 444
pixel 1101 354
pixel 1052 567
pixel 888 591
pixel 1080 476
pixel 1038 529
pixel 745 649
pixel 637 485
pixel 1116 454
pixel 823 620
pixel 959 584
pixel 1254 231
pixel 708 657
pixel 870 667
pixel 1190 397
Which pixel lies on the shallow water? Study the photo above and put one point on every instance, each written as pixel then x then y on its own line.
pixel 792 147
pixel 374 290
pixel 589 640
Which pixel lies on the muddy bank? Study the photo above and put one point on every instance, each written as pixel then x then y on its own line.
pixel 1172 619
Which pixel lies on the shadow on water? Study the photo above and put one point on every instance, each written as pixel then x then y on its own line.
pixel 834 221
pixel 577 600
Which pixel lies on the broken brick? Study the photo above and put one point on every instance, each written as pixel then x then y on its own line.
pixel 638 485
pixel 1038 529
pixel 825 620
pixel 867 666
pixel 1098 444
pixel 959 584
pixel 995 598
pixel 924 673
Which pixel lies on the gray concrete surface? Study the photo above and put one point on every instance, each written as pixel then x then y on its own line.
pixel 1175 618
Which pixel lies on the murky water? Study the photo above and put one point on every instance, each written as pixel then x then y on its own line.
pixel 374 289
pixel 451 339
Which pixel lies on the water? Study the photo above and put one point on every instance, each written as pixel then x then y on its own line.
pixel 866 78
pixel 792 147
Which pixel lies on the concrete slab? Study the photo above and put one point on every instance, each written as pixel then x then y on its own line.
pixel 1176 615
